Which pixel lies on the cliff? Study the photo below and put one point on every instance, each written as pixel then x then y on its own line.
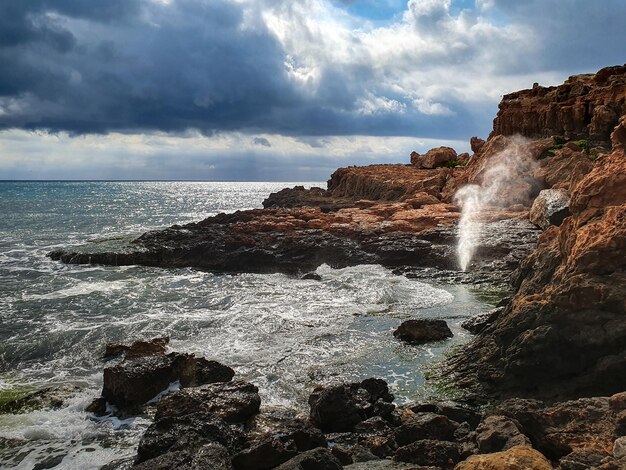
pixel 563 335
pixel 584 107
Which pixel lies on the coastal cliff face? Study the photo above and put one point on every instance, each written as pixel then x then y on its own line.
pixel 584 107
pixel 563 335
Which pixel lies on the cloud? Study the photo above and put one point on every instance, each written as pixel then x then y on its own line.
pixel 262 141
pixel 311 70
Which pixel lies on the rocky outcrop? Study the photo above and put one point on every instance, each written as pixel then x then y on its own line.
pixel 422 331
pixel 584 107
pixel 434 158
pixel 562 335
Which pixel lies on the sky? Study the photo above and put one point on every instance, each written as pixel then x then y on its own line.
pixel 273 90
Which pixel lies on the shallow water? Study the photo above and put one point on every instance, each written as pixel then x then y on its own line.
pixel 282 333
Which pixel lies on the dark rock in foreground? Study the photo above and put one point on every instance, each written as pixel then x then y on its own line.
pixel 422 331
pixel 341 407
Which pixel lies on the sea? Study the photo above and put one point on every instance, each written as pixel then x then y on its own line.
pixel 284 334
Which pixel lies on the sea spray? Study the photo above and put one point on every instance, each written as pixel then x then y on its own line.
pixel 504 179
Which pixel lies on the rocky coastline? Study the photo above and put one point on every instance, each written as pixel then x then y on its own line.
pixel 541 385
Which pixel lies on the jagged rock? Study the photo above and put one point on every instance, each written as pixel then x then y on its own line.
pixel 318 459
pixel 452 410
pixel 584 107
pixel 476 143
pixel 441 454
pixel 583 459
pixel 559 429
pixel 516 458
pixel 497 433
pixel 550 208
pixel 479 322
pixel 187 434
pixel 134 382
pixel 422 331
pixel 211 456
pixel 153 347
pixel 425 426
pixel 376 436
pixel 235 401
pixel 339 408
pixel 282 445
pixel 434 158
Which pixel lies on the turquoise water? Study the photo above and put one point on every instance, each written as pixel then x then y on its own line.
pixel 282 333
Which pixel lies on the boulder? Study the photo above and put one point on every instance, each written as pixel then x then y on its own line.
pixel 550 208
pixel 428 452
pixel 619 447
pixel 234 402
pixel 497 433
pixel 187 434
pixel 516 458
pixel 434 158
pixel 455 411
pixel 134 382
pixel 479 322
pixel 283 444
pixel 422 331
pixel 318 459
pixel 211 456
pixel 339 408
pixel 425 426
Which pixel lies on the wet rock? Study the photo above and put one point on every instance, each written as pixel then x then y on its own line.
pixel 235 401
pixel 134 382
pixel 211 456
pixel 318 459
pixel 516 458
pixel 49 397
pixel 497 433
pixel 550 208
pixel 479 322
pixel 422 331
pixel 282 445
pixel 187 434
pixel 312 276
pixel 49 462
pixel 153 347
pixel 455 411
pixel 425 426
pixel 429 452
pixel 339 408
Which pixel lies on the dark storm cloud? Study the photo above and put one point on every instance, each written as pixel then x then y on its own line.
pixel 140 65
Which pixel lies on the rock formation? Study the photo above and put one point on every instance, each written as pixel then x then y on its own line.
pixel 584 107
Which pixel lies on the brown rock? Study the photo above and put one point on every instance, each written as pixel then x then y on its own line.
pixel 154 347
pixel 429 452
pixel 425 426
pixel 516 458
pixel 476 143
pixel 584 107
pixel 422 331
pixel 234 402
pixel 497 433
pixel 434 158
